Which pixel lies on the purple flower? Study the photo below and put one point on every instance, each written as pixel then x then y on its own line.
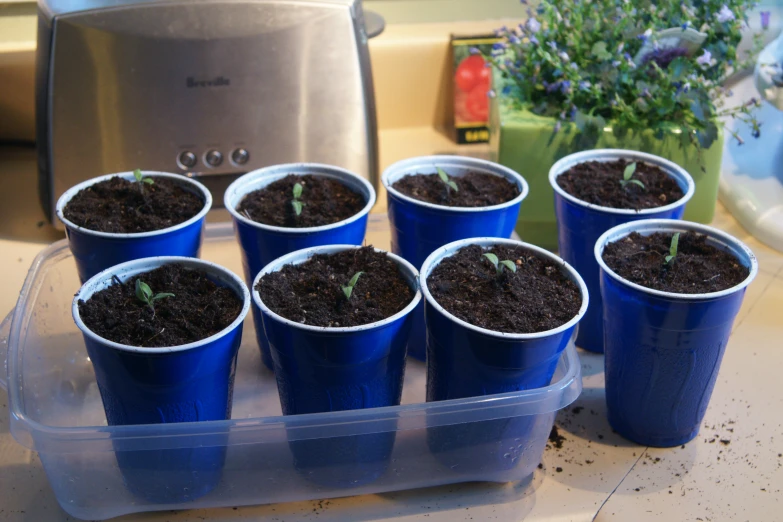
pixel 533 25
pixel 552 45
pixel 490 93
pixel 514 39
pixel 725 14
pixel 551 87
pixel 584 85
pixel 685 25
pixel 558 126
pixel 765 19
pixel 646 93
pixel 573 66
pixel 615 63
pixel 663 57
pixel 475 50
pixel 705 59
pixel 498 46
pixel 565 86
pixel 563 56
pixel 534 40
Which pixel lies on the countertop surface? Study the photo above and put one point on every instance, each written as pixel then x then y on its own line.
pixel 731 471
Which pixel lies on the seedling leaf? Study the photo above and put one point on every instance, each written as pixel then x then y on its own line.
pixel 636 182
pixel 137 174
pixel 450 184
pixel 143 291
pixel 492 259
pixel 629 170
pixel 673 248
pixel 509 264
pixel 297 206
pixel 348 289
pixel 297 190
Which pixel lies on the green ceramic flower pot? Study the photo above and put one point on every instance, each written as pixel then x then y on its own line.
pixel 527 144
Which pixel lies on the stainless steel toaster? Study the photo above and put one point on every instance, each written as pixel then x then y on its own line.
pixel 208 88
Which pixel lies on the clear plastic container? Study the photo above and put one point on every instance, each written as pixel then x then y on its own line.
pixel 56 410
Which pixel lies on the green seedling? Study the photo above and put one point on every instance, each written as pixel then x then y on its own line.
pixel 673 248
pixel 145 295
pixel 450 183
pixel 348 289
pixel 627 174
pixel 141 180
pixel 500 264
pixel 296 203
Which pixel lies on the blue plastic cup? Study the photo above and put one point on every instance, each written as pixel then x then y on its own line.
pixel 261 244
pixel 188 383
pixel 419 228
pixel 580 224
pixel 464 360
pixel 96 251
pixel 663 350
pixel 322 369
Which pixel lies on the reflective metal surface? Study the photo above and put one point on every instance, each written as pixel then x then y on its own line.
pixel 154 84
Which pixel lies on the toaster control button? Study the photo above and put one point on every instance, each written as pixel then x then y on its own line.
pixel 240 156
pixel 213 158
pixel 187 160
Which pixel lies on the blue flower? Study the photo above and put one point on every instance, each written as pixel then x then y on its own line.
pixel 490 93
pixel 584 85
pixel 563 56
pixel 615 63
pixel 685 25
pixel 705 59
pixel 765 19
pixel 498 46
pixel 514 39
pixel 725 14
pixel 573 65
pixel 534 40
pixel 558 126
pixel 533 25
pixel 756 133
pixel 565 86
pixel 645 35
pixel 474 50
pixel 552 45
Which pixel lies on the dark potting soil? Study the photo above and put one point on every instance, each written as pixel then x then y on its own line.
pixel 198 309
pixel 122 207
pixel 599 183
pixel 535 298
pixel 310 293
pixel 324 201
pixel 697 268
pixel 475 189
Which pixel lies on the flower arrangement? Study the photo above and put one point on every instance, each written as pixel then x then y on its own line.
pixel 634 65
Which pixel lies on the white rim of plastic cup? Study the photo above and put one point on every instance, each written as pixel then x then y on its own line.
pixel 718 237
pixel 450 249
pixel 260 178
pixel 604 155
pixel 301 256
pixel 183 180
pixel 131 268
pixel 429 164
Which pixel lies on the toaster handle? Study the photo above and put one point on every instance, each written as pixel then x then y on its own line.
pixel 374 24
pixel 5 332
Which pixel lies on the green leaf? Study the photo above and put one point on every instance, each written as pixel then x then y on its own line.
pixel 636 182
pixel 442 175
pixel 137 174
pixel 599 51
pixel 492 259
pixel 453 185
pixel 629 170
pixel 161 295
pixel 354 279
pixel 348 290
pixel 673 248
pixel 143 291
pixel 297 191
pixel 297 207
pixel 148 181
pixel 509 264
